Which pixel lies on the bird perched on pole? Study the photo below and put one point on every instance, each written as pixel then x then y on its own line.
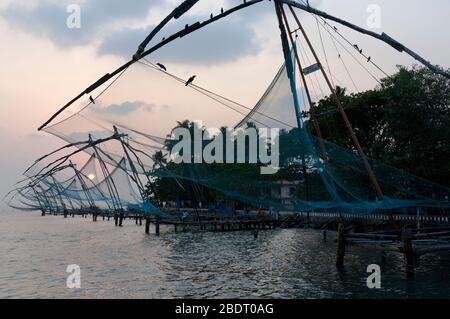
pixel 91 99
pixel 161 66
pixel 191 79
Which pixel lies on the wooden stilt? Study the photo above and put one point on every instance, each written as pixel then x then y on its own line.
pixel 408 251
pixel 120 218
pixel 147 226
pixel 341 246
pixel 157 227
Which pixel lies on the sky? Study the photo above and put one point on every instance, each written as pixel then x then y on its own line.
pixel 44 63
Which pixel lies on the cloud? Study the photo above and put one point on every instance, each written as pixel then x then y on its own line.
pixel 124 108
pixel 106 23
pixel 49 18
pixel 219 42
pixel 35 136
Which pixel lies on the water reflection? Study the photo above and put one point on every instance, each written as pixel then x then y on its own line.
pixel 124 263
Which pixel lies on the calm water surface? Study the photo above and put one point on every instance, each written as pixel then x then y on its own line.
pixel 125 263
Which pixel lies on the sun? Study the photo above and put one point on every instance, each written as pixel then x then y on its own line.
pixel 91 177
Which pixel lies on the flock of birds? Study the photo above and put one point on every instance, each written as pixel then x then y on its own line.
pixel 162 67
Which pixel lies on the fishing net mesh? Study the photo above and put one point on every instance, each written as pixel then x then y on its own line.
pixel 144 104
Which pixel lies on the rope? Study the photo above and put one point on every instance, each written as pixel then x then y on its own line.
pixel 216 97
pixel 346 40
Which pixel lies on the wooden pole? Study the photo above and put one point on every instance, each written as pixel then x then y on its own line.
pixel 147 225
pixel 121 218
pixel 157 227
pixel 341 245
pixel 408 252
pixel 418 219
pixel 342 112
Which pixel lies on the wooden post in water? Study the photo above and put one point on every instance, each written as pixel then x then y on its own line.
pixel 341 245
pixel 121 218
pixel 147 225
pixel 418 219
pixel 157 227
pixel 408 251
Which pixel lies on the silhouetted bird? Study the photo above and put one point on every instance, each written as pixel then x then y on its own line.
pixel 162 66
pixel 360 51
pixel 221 10
pixel 211 16
pixel 356 46
pixel 368 59
pixel 91 99
pixel 191 79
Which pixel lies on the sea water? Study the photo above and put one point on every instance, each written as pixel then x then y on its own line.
pixel 123 262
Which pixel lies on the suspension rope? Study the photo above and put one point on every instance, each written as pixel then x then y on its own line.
pixel 371 61
pixel 216 97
